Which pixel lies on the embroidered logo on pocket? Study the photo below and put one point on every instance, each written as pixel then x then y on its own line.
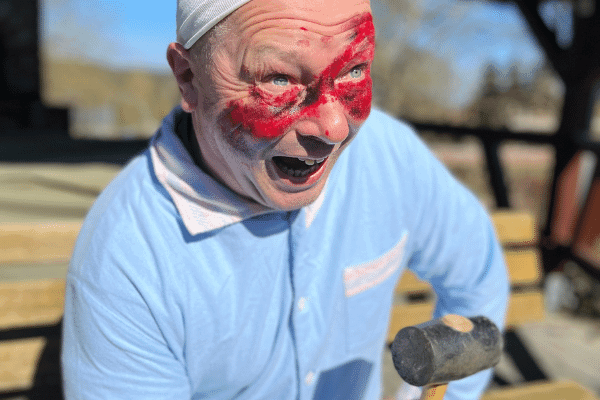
pixel 361 277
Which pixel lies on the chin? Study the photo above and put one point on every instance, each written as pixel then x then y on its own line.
pixel 292 201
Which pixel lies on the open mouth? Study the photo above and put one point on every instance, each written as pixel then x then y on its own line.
pixel 298 167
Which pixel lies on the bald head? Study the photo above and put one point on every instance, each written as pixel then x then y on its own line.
pixel 197 17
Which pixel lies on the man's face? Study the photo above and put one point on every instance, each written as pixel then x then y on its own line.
pixel 286 90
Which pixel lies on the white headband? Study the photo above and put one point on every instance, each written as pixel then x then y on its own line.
pixel 196 17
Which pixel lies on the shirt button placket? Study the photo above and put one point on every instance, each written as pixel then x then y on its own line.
pixel 302 304
pixel 309 378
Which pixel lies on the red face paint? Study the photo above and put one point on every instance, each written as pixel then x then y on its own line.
pixel 267 116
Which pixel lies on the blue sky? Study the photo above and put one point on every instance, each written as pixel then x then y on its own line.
pixel 470 36
pixel 121 34
pixel 135 34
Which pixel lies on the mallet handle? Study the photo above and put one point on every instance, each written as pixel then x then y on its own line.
pixel 435 392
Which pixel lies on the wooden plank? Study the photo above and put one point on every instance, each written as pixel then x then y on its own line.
pixel 18 362
pixel 407 315
pixel 514 227
pixel 525 307
pixel 523 269
pixel 522 307
pixel 31 302
pixel 557 390
pixel 524 266
pixel 24 304
pixel 410 284
pixel 37 242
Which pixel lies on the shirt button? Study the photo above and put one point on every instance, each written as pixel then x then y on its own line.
pixel 302 304
pixel 309 378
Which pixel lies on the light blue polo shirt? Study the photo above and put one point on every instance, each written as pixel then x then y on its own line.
pixel 180 289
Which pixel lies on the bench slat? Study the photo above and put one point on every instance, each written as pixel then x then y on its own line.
pixel 522 307
pixel 524 266
pixel 525 307
pixel 37 242
pixel 514 227
pixel 31 302
pixel 523 269
pixel 18 363
pixel 408 314
pixel 410 284
pixel 557 390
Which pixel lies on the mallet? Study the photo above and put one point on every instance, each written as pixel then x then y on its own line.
pixel 445 349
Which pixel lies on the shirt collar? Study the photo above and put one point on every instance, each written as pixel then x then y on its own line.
pixel 203 203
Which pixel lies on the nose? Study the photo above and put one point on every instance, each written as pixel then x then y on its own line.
pixel 328 122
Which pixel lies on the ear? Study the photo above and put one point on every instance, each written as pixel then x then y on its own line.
pixel 180 62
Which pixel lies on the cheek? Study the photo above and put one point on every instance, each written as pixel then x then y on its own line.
pixel 265 117
pixel 239 147
pixel 356 98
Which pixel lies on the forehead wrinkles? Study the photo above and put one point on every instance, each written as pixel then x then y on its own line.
pixel 325 17
pixel 328 28
pixel 277 36
pixel 292 53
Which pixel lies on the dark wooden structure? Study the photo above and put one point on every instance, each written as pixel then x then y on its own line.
pixel 572 230
pixel 20 103
pixel 29 130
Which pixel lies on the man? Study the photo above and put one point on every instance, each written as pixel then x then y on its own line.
pixel 253 250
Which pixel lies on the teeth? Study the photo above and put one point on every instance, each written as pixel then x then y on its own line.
pixel 309 161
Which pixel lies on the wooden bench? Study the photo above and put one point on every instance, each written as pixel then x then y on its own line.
pixel 516 231
pixel 30 314
pixel 37 242
pixel 31 311
pixel 559 390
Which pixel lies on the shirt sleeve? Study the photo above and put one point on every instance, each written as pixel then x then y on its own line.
pixel 113 348
pixel 456 250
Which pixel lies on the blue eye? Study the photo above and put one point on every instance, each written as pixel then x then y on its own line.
pixel 356 72
pixel 281 81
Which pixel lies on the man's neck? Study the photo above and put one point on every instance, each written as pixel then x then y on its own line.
pixel 185 131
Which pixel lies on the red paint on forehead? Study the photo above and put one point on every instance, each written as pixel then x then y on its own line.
pixel 267 116
pixel 366 30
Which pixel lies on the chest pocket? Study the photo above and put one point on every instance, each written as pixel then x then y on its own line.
pixel 369 292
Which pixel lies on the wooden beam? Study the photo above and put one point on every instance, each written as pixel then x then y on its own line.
pixel 408 315
pixel 525 307
pixel 37 242
pixel 410 284
pixel 558 390
pixel 18 363
pixel 524 266
pixel 522 308
pixel 514 227
pixel 31 303
pixel 545 36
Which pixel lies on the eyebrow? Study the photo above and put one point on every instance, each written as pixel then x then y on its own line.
pixel 272 50
pixel 292 53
